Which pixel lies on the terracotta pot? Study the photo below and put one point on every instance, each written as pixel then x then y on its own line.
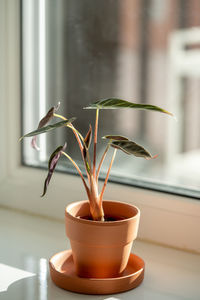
pixel 101 249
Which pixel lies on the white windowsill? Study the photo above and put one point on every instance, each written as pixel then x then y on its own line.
pixel 165 219
pixel 27 242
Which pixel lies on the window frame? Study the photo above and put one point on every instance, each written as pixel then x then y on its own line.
pixel 165 218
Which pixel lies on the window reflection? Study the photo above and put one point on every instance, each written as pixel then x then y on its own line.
pixel 43 278
pixel 9 275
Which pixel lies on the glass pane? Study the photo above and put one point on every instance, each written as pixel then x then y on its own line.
pixel 77 52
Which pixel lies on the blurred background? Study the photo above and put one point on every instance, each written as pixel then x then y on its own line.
pixel 144 51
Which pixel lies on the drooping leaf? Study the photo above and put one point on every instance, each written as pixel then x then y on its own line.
pixel 47 118
pixel 43 122
pixel 130 147
pixel 88 137
pixel 114 103
pixel 48 128
pixel 53 160
pixel 115 137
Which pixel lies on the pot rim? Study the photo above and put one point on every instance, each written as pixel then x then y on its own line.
pixel 104 223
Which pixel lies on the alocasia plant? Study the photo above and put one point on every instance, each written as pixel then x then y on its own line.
pixel 115 141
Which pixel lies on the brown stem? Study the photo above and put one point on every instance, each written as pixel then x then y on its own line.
pixel 95 142
pixel 101 162
pixel 96 208
pixel 79 171
pixel 77 135
pixel 108 173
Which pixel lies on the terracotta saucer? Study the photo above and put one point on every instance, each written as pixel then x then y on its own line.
pixel 62 271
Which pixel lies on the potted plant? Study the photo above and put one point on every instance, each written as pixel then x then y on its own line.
pixel 101 232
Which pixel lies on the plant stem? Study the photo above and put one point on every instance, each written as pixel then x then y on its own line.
pixel 79 137
pixel 101 162
pixel 76 133
pixel 79 171
pixel 59 116
pixel 96 208
pixel 108 173
pixel 95 141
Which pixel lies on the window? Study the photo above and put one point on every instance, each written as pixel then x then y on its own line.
pixel 79 51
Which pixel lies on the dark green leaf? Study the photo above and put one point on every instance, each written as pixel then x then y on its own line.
pixel 115 137
pixel 48 128
pixel 114 103
pixel 130 147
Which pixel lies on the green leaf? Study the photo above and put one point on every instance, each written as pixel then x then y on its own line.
pixel 131 148
pixel 115 137
pixel 48 128
pixel 114 103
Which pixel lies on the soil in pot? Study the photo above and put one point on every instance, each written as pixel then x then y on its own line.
pixel 107 218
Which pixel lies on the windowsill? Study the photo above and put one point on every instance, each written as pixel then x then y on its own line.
pixel 27 242
pixel 175 216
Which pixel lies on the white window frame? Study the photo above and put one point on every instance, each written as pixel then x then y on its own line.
pixel 165 218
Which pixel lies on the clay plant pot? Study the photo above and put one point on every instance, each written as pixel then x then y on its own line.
pixel 101 249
